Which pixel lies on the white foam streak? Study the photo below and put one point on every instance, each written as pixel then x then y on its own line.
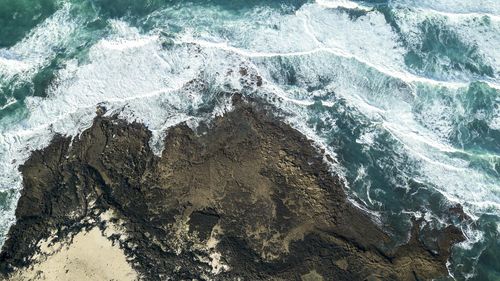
pixel 10 102
pixel 333 4
pixel 401 75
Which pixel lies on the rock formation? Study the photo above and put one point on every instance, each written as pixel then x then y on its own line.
pixel 245 196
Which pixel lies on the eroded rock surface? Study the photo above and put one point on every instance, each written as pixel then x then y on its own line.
pixel 248 197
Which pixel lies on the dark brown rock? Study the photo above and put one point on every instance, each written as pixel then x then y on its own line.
pixel 250 188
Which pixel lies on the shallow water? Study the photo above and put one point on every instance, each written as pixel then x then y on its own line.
pixel 404 95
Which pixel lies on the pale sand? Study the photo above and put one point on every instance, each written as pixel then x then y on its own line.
pixel 90 256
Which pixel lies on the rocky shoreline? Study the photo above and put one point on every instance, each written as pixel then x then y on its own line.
pixel 245 196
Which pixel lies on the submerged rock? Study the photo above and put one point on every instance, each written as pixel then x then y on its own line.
pixel 247 197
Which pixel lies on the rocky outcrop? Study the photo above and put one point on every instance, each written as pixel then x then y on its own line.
pixel 245 196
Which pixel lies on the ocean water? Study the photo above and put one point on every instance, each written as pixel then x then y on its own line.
pixel 403 95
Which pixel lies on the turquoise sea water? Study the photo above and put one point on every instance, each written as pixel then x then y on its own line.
pixel 404 95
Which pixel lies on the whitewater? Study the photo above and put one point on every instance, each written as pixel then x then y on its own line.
pixel 403 96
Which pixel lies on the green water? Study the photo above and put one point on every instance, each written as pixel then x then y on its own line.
pixel 18 17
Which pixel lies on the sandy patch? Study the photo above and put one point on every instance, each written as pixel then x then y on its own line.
pixel 89 256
